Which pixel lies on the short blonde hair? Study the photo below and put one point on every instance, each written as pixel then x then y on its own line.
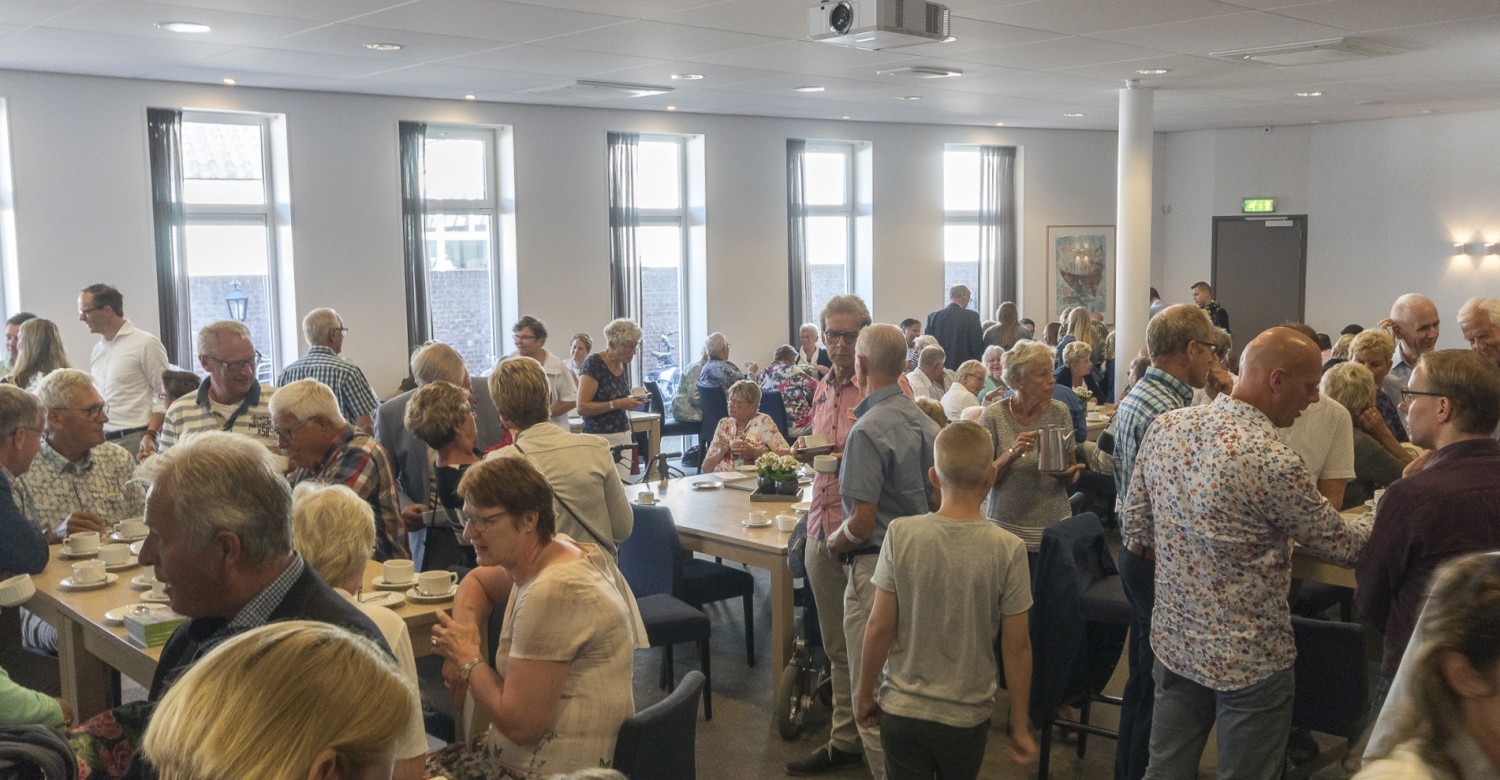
pixel 1074 352
pixel 1373 339
pixel 1340 349
pixel 1024 358
pixel 1174 328
pixel 747 391
pixel 435 412
pixel 962 455
pixel 970 368
pixel 334 529
pixel 884 346
pixel 521 393
pixel 621 331
pixel 305 399
pixel 1351 384
pixel 244 709
pixel 318 326
pixel 934 410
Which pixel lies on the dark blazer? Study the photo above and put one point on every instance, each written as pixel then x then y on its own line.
pixel 958 332
pixel 23 548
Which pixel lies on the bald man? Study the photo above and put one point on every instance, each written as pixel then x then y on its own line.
pixel 1414 325
pixel 1229 498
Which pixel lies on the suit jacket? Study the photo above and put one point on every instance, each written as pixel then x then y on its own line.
pixel 409 458
pixel 23 548
pixel 957 330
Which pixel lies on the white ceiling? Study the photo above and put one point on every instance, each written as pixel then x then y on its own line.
pixel 1026 62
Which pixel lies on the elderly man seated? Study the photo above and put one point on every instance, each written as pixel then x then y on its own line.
pixel 25 549
pixel 230 399
pixel 220 520
pixel 928 378
pixel 323 447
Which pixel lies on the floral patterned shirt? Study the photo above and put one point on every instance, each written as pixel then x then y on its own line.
pixel 760 431
pixel 1223 498
pixel 796 385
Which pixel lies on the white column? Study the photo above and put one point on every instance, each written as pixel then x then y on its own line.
pixel 1133 231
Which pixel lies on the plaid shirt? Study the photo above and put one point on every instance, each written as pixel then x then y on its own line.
pixel 1157 392
pixel 256 613
pixel 356 460
pixel 100 482
pixel 346 380
pixel 192 414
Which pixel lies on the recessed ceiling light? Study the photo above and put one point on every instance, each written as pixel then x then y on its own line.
pixel 471 96
pixel 230 82
pixel 1309 94
pixel 1153 71
pixel 908 97
pixel 687 76
pixel 999 124
pixel 183 27
pixel 671 108
pixel 844 117
pixel 384 46
pixel 1073 116
pixel 809 88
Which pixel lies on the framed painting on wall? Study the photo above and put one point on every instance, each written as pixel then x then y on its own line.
pixel 1081 268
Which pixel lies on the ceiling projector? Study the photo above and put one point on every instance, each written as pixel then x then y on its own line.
pixel 878 24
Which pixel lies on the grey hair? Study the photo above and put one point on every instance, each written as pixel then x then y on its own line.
pixel 745 390
pixel 1403 305
pixel 924 341
pixel 1474 308
pixel 809 326
pixel 318 326
pixel 436 361
pixel 884 346
pixel 991 351
pixel 333 528
pixel 222 481
pixel 210 334
pixel 1351 384
pixel 931 356
pixel 846 304
pixel 716 345
pixel 305 399
pixel 1340 350
pixel 55 390
pixel 18 409
pixel 970 368
pixel 1024 358
pixel 1174 328
pixel 622 330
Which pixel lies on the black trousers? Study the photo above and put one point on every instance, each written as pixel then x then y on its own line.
pixel 1133 749
pixel 923 749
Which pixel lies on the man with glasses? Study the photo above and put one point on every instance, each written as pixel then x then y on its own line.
pixel 13 338
pixel 1447 505
pixel 23 549
pixel 530 336
pixel 127 364
pixel 324 330
pixel 230 399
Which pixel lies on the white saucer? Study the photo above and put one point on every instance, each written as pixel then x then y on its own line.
pixel 745 469
pixel 384 598
pixel 72 556
pixel 708 484
pixel 415 596
pixel 129 564
pixel 135 549
pixel 116 616
pixel 119 537
pixel 802 506
pixel 155 599
pixel 1370 504
pixel 379 583
pixel 749 524
pixel 142 581
pixel 643 503
pixel 109 579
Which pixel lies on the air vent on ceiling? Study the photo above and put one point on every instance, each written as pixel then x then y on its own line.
pixel 1311 52
pixel 599 89
pixel 921 72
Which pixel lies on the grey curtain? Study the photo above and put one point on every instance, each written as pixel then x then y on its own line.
pixel 413 136
pixel 799 279
pixel 164 136
pixel 997 226
pixel 624 218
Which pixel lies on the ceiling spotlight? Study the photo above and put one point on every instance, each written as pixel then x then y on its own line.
pixel 384 46
pixel 921 72
pixel 686 76
pixel 1153 71
pixel 471 96
pixel 183 27
pixel 808 88
pixel 908 97
pixel 1309 94
pixel 230 82
pixel 1073 115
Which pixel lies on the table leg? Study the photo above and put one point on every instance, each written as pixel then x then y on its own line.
pixel 783 624
pixel 653 444
pixel 85 679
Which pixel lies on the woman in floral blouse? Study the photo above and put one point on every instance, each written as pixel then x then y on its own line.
pixel 795 381
pixel 744 435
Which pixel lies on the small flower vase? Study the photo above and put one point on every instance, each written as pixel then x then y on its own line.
pixel 765 484
pixel 788 487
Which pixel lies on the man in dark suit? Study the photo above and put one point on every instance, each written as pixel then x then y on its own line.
pixel 957 328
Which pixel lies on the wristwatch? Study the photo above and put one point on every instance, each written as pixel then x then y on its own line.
pixel 469 667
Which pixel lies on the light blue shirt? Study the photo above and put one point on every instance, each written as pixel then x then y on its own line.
pixel 887 457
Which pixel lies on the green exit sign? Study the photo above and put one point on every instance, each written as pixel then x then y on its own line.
pixel 1258 205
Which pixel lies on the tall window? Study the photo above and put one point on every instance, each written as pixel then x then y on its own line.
pixel 661 242
pixel 460 226
pixel 230 221
pixel 961 220
pixel 979 223
pixel 825 208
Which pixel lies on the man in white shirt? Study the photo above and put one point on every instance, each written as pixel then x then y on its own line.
pixel 530 337
pixel 1414 325
pixel 1324 436
pixel 928 378
pixel 127 364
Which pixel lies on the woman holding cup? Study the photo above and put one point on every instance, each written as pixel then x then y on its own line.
pixel 745 434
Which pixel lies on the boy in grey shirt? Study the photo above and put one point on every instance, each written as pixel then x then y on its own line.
pixel 946 583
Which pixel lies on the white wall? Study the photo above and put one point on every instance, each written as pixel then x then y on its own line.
pixel 1385 202
pixel 83 205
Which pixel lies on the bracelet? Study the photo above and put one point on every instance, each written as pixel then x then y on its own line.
pixel 464 670
pixel 150 433
pixel 611 404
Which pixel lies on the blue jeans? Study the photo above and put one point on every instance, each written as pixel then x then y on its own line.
pixel 1133 749
pixel 1253 724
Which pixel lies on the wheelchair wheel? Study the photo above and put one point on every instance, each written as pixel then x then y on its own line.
pixel 792 701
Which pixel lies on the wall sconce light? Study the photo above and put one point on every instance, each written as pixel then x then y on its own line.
pixel 1460 248
pixel 1492 249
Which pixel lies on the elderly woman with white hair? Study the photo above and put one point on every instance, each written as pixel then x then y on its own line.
pixel 1378 458
pixel 1024 500
pixel 1075 372
pixel 994 374
pixel 334 531
pixel 809 353
pixel 604 399
pixel 745 434
pixel 964 392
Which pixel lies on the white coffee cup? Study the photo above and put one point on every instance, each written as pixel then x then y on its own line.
pixel 1378 494
pixel 148 574
pixel 647 498
pixel 81 543
pixel 436 583
pixel 398 572
pixel 638 392
pixel 16 590
pixel 133 527
pixel 114 554
pixel 88 572
pixel 826 464
pixel 158 588
pixel 786 523
pixel 756 517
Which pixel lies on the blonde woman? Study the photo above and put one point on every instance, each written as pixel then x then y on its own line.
pixel 964 393
pixel 39 351
pixel 1378 458
pixel 604 399
pixel 745 434
pixel 1373 349
pixel 292 699
pixel 1078 327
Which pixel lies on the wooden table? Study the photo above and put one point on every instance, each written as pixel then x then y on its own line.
pixel 88 648
pixel 640 422
pixel 709 521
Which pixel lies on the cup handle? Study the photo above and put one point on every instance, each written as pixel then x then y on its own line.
pixel 452 578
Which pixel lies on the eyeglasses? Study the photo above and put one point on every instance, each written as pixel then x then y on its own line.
pixel 341 330
pixel 96 411
pixel 237 365
pixel 1406 394
pixel 1208 345
pixel 88 311
pixel 522 337
pixel 287 433
pixel 482 521
pixel 846 336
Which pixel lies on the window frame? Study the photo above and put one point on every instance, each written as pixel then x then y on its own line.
pixel 963 218
pixel 849 212
pixel 682 219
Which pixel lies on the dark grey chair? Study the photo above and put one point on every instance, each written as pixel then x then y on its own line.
pixel 659 742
